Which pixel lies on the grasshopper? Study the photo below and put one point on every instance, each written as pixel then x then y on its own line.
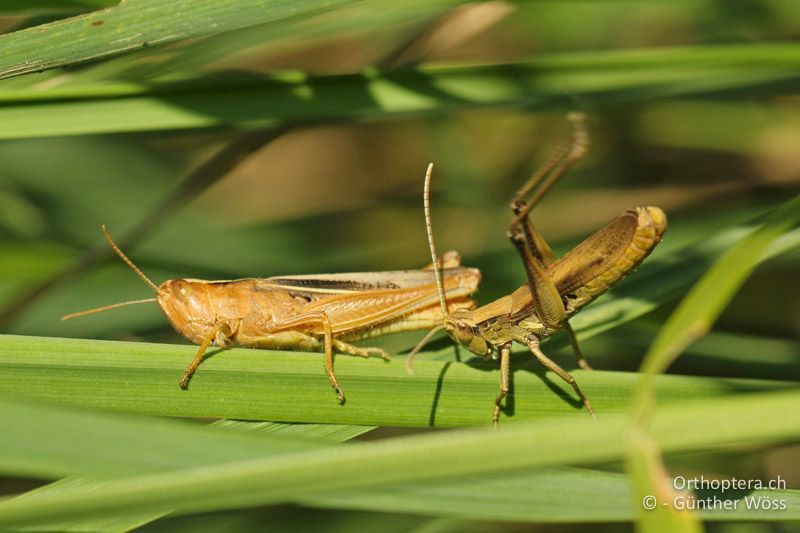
pixel 556 288
pixel 309 312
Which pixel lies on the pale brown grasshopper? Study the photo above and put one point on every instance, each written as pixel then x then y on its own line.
pixel 556 288
pixel 310 312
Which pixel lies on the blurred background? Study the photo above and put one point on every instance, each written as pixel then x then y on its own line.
pixel 708 129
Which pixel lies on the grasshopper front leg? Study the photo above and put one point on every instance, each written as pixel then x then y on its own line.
pixel 221 331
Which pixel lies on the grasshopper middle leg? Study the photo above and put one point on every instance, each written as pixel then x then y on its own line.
pixel 505 360
pixel 329 343
pixel 533 345
pixel 306 319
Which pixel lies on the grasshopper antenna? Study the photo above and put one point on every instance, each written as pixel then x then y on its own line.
pixel 121 304
pixel 437 274
pixel 127 261
pixel 106 308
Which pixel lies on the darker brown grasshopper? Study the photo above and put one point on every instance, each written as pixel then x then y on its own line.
pixel 556 288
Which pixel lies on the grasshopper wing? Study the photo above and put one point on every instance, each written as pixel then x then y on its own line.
pixel 315 285
pixel 621 245
pixel 348 311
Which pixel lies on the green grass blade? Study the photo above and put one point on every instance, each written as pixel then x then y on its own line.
pixel 649 479
pixel 604 496
pixel 117 523
pixel 717 354
pixel 76 442
pixel 560 495
pixel 543 83
pixel 327 432
pixel 292 387
pixel 27 7
pixel 691 320
pixel 137 458
pixel 754 419
pixel 137 24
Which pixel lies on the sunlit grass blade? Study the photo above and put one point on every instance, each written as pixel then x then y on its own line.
pixel 292 386
pixel 754 419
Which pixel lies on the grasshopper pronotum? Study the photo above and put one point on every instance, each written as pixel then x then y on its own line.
pixel 305 312
pixel 556 288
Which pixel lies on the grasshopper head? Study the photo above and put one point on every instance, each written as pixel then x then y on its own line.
pixel 184 303
pixel 465 332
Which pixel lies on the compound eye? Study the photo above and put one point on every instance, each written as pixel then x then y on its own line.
pixel 464 332
pixel 183 291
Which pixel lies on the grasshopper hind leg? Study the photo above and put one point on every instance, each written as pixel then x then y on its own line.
pixel 530 243
pixel 329 343
pixel 561 159
pixel 536 255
